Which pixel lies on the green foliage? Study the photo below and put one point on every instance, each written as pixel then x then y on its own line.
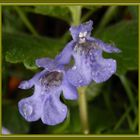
pixel 60 12
pixel 125 36
pixel 26 48
pixel 133 11
pixel 93 90
pixel 75 124
pixel 105 101
pixel 11 24
pixel 12 120
pixel 100 119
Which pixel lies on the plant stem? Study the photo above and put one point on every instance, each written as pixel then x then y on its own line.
pixel 83 110
pixel 86 16
pixel 118 124
pixel 111 11
pixel 135 123
pixel 76 16
pixel 129 92
pixel 129 119
pixel 26 21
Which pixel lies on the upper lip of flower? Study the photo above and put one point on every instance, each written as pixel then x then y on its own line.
pixel 82 34
pixel 81 30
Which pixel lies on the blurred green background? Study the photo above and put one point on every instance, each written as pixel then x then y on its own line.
pixel 30 32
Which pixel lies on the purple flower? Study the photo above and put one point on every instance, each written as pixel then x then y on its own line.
pixel 5 131
pixel 45 102
pixel 87 53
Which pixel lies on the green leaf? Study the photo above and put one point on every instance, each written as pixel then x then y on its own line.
pixel 26 48
pixel 133 11
pixel 93 90
pixel 100 119
pixel 11 23
pixel 12 120
pixel 125 36
pixel 75 123
pixel 61 12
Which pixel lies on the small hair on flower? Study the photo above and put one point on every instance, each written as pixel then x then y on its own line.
pixel 45 102
pixel 87 52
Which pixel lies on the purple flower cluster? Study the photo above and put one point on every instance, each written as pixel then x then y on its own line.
pixel 56 79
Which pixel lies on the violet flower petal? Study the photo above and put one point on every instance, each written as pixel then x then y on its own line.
pixel 69 91
pixel 31 108
pixel 54 111
pixel 65 55
pixel 105 46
